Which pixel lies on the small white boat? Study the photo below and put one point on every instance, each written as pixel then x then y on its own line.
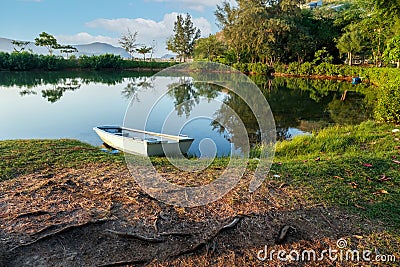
pixel 143 143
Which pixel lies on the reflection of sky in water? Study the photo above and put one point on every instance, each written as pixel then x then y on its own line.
pixel 292 132
pixel 163 117
pixel 93 104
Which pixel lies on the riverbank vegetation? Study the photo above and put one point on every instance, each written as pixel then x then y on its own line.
pixel 26 61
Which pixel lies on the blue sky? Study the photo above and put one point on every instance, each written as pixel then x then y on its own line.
pixel 86 21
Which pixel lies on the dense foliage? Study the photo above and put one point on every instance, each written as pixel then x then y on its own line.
pixel 270 31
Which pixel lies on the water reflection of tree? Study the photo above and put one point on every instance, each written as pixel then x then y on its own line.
pixel 134 85
pixel 186 94
pixel 33 79
pixel 224 119
pixel 27 92
pixel 353 110
pixel 58 90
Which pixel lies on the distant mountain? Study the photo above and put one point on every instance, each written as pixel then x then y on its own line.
pixel 168 56
pixel 100 48
pixel 85 49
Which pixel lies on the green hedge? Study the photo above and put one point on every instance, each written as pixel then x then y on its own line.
pixel 24 61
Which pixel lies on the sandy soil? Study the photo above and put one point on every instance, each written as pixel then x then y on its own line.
pixel 98 216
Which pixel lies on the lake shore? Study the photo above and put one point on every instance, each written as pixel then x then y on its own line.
pixel 341 183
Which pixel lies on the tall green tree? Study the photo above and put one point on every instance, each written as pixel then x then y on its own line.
pixel 392 51
pixel 48 41
pixel 184 37
pixel 209 48
pixel 350 43
pixel 128 42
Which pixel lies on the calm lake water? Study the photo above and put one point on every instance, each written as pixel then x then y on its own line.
pixel 70 104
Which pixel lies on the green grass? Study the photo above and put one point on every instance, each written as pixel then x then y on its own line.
pixel 338 166
pixel 344 166
pixel 19 157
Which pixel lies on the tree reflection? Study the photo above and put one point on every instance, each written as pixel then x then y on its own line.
pixel 307 105
pixel 134 85
pixel 186 94
pixel 58 90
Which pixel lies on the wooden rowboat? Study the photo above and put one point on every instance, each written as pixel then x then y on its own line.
pixel 143 143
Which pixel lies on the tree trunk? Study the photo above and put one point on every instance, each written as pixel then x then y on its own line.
pixel 398 64
pixel 350 59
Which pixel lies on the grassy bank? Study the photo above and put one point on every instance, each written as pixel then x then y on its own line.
pixel 356 167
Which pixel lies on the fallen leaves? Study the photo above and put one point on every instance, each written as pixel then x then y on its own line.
pixel 384 178
pixel 381 192
pixel 367 165
pixel 353 184
pixel 396 161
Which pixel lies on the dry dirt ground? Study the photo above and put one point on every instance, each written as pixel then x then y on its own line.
pixel 98 216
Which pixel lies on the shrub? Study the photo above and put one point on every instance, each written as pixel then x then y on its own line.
pixel 279 67
pixel 51 62
pixel 23 61
pixel 293 68
pixel 327 69
pixel 307 68
pixel 4 61
pixel 259 68
pixel 240 67
pixel 388 107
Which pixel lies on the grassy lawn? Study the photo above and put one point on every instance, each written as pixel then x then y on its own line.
pixel 354 166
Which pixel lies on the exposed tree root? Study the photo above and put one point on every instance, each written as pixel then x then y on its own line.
pixel 137 236
pixel 59 230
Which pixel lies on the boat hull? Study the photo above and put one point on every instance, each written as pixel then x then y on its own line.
pixel 142 147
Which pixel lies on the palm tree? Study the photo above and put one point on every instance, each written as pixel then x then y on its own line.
pixel 144 50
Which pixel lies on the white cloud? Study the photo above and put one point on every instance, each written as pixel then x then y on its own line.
pixel 85 38
pixel 148 31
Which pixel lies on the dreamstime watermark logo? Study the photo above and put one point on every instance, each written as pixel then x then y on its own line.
pixel 199 90
pixel 340 253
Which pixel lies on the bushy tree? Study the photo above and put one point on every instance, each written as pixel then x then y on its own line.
pixel 128 42
pixel 392 51
pixel 48 41
pixel 67 49
pixel 19 46
pixel 208 48
pixel 184 37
